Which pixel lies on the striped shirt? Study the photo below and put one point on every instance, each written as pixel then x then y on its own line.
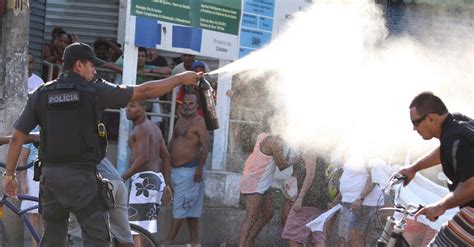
pixel 458 231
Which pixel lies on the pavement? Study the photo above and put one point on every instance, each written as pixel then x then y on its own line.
pixel 76 242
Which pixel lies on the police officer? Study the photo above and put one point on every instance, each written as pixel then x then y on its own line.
pixel 68 110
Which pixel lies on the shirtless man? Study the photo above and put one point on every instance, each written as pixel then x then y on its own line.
pixel 188 148
pixel 148 157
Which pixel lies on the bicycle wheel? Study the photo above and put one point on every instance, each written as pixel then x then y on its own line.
pixel 142 237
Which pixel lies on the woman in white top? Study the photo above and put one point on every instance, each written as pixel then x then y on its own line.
pixel 360 199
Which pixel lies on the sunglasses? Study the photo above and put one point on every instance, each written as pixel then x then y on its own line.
pixel 417 121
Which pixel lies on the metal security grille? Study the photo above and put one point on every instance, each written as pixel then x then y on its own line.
pixel 87 18
pixel 37 19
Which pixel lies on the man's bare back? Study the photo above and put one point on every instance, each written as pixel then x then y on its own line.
pixel 149 133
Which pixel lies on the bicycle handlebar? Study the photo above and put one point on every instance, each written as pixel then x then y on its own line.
pixel 397 179
pixel 411 209
pixel 19 168
pixel 21 197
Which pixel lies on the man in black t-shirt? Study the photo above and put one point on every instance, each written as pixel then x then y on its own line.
pixel 431 119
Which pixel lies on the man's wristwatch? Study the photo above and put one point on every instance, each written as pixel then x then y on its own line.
pixel 361 198
pixel 5 176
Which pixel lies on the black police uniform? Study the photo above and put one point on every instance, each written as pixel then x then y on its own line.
pixel 68 110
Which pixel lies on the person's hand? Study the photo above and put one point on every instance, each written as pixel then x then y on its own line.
pixel 431 212
pixel 190 78
pixel 356 204
pixel 198 175
pixel 297 205
pixel 230 93
pixel 10 187
pixel 168 195
pixel 409 172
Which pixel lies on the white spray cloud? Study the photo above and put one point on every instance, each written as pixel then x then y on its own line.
pixel 342 83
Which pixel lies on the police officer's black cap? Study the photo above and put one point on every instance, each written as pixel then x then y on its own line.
pixel 80 50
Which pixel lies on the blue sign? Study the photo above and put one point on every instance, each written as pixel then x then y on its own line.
pixel 148 32
pixel 260 7
pixel 187 37
pixel 249 20
pixel 244 51
pixel 257 25
pixel 265 23
pixel 254 38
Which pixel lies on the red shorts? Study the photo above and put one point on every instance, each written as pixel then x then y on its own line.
pixel 295 228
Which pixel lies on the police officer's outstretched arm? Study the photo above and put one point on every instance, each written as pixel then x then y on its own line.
pixel 156 88
pixel 9 182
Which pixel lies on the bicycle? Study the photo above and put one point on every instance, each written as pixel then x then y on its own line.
pixel 147 238
pixel 392 234
pixel 17 211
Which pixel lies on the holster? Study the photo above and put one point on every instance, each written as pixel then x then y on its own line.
pixel 106 194
pixel 37 170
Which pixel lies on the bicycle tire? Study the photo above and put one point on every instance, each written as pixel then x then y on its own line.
pixel 144 233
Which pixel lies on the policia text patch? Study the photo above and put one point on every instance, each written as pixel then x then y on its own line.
pixel 64 99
